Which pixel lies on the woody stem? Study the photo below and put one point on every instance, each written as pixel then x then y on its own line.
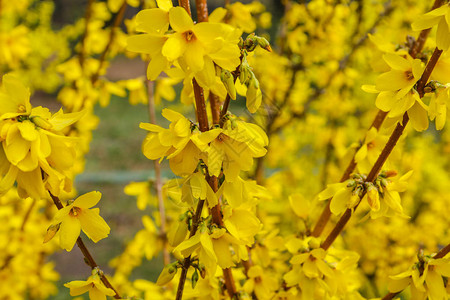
pixel 87 255
pixel 395 136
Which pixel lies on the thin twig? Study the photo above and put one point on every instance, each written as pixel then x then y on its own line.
pixel 441 254
pixel 87 255
pixel 326 213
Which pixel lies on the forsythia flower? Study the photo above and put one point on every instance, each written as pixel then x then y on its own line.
pixel 235 147
pixel 439 103
pixel 97 290
pixel 78 216
pixel 425 278
pixel 383 196
pixel 182 143
pixel 189 44
pixel 344 196
pixel 35 153
pixel 440 16
pixel 396 93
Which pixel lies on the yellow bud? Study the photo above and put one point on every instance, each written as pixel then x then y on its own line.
pixel 167 274
pixel 228 80
pixel 41 122
pixel 194 279
pixel 373 198
pixel 51 231
pixel 391 173
pixel 263 43
pixel 178 233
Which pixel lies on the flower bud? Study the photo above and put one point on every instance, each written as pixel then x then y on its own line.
pixel 263 43
pixel 51 231
pixel 228 81
pixel 167 274
pixel 251 42
pixel 194 279
pixel 41 122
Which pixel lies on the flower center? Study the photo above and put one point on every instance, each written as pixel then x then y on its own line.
pixel 189 35
pixel 409 75
pixel 22 108
pixel 222 137
pixel 75 211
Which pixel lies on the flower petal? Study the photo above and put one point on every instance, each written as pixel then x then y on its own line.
pixel 93 225
pixel 152 20
pixel 180 20
pixel 69 231
pixel 174 47
pixel 88 200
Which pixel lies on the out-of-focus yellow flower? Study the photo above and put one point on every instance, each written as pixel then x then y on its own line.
pixel 441 17
pixel 78 216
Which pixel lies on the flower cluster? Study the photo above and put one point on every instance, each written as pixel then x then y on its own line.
pixel 36 154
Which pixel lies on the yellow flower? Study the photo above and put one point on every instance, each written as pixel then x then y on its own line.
pixel 34 151
pixel 235 147
pixel 441 17
pixel 97 290
pixel 383 196
pixel 182 142
pixel 439 103
pixel 396 93
pixel 202 243
pixel 189 44
pixel 262 284
pixel 14 98
pixel 345 195
pixel 425 278
pixel 78 216
pixel 404 73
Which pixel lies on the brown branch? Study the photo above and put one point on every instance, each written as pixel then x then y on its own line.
pixel 421 39
pixel 415 49
pixel 326 213
pixel 427 72
pixel 186 5
pixel 214 102
pixel 441 254
pixel 187 260
pixel 117 22
pixel 200 106
pixel 202 10
pixel 87 255
pixel 396 134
